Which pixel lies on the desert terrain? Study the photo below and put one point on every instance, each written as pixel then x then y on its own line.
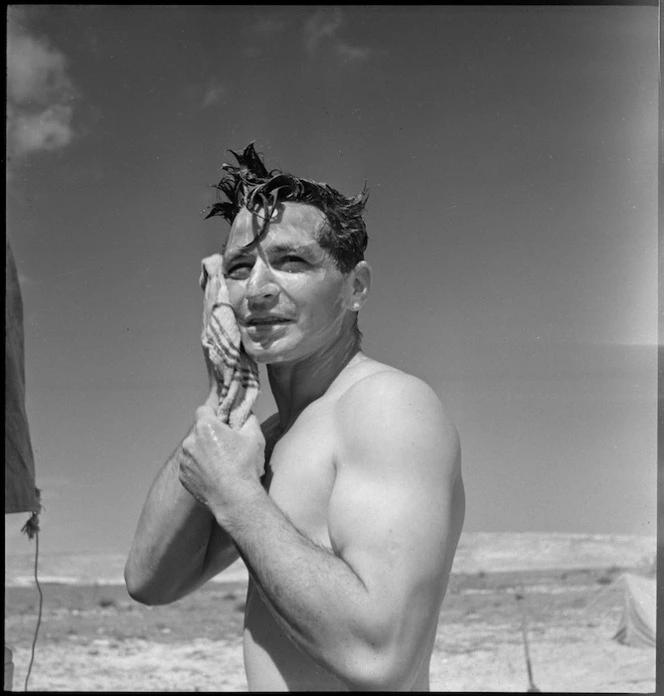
pixel 94 637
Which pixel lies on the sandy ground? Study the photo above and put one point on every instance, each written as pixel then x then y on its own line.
pixel 95 638
pixel 562 665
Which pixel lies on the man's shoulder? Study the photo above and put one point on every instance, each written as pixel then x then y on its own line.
pixel 390 408
pixel 385 388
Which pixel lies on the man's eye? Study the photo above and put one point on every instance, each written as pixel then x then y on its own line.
pixel 291 262
pixel 238 271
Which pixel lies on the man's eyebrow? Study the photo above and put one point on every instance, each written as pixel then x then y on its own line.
pixel 235 254
pixel 293 248
pixel 283 248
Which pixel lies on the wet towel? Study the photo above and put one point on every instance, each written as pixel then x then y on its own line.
pixel 235 372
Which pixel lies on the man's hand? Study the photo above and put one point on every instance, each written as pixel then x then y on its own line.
pixel 218 462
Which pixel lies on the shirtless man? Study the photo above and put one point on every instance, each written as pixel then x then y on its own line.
pixel 347 504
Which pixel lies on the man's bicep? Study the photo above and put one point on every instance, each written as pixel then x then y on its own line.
pixel 397 503
pixel 394 529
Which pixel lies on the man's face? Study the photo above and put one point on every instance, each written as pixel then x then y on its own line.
pixel 286 291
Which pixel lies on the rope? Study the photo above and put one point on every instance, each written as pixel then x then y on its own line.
pixel 31 528
pixel 39 614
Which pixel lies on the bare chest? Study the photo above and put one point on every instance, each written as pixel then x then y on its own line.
pixel 301 473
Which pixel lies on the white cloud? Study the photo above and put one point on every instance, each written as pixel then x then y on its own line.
pixel 352 54
pixel 321 25
pixel 49 130
pixel 322 29
pixel 39 95
pixel 214 93
pixel 35 72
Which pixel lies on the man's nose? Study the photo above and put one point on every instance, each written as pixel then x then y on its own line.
pixel 261 285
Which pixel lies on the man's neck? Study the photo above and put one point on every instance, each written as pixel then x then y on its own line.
pixel 296 385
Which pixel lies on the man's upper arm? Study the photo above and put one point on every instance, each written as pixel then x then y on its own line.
pixel 397 506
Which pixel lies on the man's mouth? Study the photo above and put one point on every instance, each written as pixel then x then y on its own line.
pixel 264 321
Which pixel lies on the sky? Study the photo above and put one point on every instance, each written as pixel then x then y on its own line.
pixel 511 158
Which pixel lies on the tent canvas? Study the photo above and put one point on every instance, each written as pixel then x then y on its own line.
pixel 637 625
pixel 20 492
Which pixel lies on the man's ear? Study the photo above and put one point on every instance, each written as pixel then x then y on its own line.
pixel 359 285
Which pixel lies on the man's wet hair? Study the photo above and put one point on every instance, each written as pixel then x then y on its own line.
pixel 250 185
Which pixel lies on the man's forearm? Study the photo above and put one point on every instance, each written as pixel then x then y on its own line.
pixel 316 597
pixel 168 555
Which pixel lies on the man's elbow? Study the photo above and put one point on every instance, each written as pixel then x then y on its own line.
pixel 371 669
pixel 143 591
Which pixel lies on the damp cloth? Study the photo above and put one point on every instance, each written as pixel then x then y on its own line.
pixel 235 373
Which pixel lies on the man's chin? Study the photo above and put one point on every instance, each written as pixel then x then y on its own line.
pixel 262 354
pixel 263 359
pixel 270 355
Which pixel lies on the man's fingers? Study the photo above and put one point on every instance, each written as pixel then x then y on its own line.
pixel 205 412
pixel 252 428
pixel 250 425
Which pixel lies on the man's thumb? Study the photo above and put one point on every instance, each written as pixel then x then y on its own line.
pixel 251 426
